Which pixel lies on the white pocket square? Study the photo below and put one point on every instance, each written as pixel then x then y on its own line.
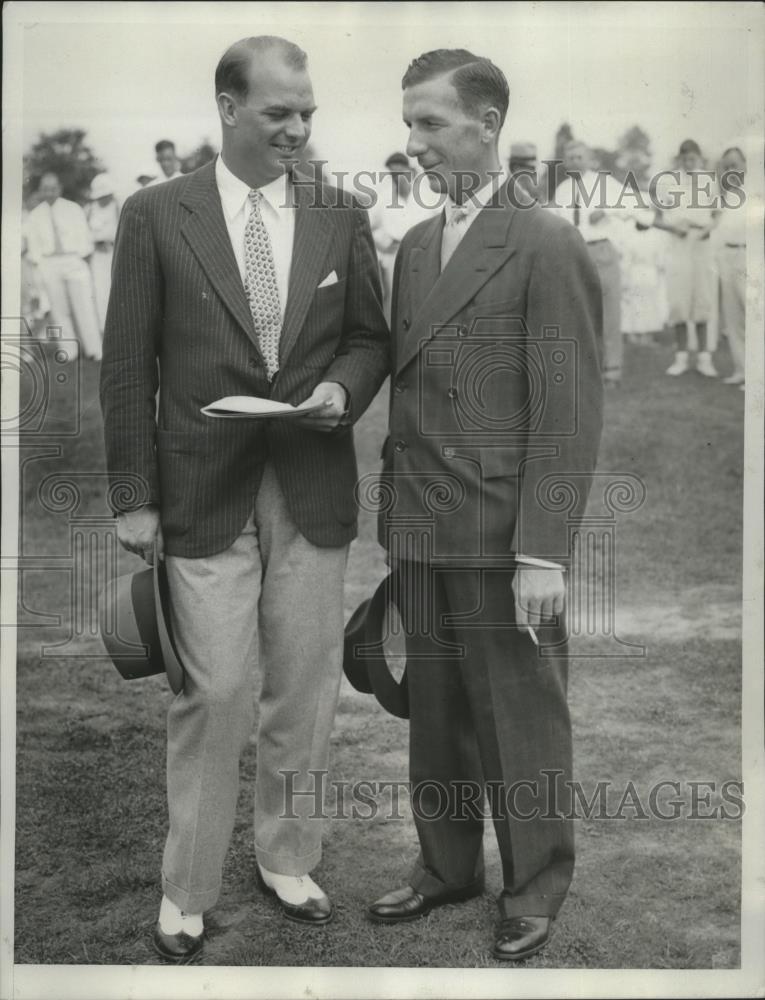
pixel 331 279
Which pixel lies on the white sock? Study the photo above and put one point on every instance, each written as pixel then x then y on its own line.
pixel 293 889
pixel 173 920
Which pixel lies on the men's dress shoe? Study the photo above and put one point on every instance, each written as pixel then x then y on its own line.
pixel 314 911
pixel 408 904
pixel 520 937
pixel 178 947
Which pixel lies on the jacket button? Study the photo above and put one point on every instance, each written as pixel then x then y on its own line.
pixel 405 323
pixel 452 393
pixel 400 446
pixel 462 331
pixel 449 452
pixel 399 387
pixel 252 363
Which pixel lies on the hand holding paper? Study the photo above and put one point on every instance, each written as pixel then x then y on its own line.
pixel 331 400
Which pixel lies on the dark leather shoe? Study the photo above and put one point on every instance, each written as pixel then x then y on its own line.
pixel 521 937
pixel 408 904
pixel 315 912
pixel 179 947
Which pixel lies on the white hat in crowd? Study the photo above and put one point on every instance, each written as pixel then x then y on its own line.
pixel 101 186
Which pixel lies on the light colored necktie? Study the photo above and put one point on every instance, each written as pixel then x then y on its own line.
pixel 261 286
pixel 454 230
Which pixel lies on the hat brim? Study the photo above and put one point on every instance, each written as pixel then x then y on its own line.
pixel 364 661
pixel 133 621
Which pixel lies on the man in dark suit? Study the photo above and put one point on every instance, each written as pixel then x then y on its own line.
pixel 495 418
pixel 244 278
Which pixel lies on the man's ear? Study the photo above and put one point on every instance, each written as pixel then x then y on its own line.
pixel 227 108
pixel 490 125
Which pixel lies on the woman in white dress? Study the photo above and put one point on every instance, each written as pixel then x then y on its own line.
pixel 688 214
pixel 103 215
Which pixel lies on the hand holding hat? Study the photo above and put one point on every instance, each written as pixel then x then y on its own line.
pixel 140 531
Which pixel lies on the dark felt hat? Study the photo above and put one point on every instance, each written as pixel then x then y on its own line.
pixel 364 660
pixel 133 619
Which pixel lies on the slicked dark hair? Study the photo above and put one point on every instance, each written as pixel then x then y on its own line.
pixel 478 82
pixel 233 68
pixel 164 144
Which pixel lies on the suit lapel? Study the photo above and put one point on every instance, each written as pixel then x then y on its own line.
pixel 313 234
pixel 205 232
pixel 437 297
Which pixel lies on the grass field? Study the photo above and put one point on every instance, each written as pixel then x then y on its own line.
pixel 647 893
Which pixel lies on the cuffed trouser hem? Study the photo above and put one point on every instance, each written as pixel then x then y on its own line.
pixel 428 884
pixel 533 904
pixel 287 864
pixel 190 902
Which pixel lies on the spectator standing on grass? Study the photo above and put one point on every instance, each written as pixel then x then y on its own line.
pixel 466 466
pixel 103 213
pixel 169 164
pixel 243 278
pixel 730 253
pixel 688 215
pixel 593 203
pixel 59 244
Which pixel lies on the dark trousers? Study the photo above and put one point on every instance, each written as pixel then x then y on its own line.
pixel 489 718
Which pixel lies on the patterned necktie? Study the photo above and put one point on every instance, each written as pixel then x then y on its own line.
pixel 261 287
pixel 454 230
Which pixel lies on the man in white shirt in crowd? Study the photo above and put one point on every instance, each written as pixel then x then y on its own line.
pixel 59 243
pixel 593 203
pixel 400 204
pixel 169 164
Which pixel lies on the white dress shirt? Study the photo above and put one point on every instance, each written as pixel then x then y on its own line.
pixel 683 199
pixel 71 226
pixel 475 201
pixel 277 209
pixel 603 192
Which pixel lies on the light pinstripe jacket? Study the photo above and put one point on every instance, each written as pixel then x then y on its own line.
pixel 179 322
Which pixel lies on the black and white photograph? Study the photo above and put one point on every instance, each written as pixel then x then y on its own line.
pixel 382 500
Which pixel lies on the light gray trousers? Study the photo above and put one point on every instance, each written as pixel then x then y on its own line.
pixel 275 600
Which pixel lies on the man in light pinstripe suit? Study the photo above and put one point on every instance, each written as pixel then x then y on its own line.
pixel 244 278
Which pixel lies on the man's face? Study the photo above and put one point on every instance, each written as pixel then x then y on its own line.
pixel 445 140
pixel 50 188
pixel 576 158
pixel 167 160
pixel 733 162
pixel 273 124
pixel 690 161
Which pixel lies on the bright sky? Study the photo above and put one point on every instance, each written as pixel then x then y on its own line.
pixel 134 73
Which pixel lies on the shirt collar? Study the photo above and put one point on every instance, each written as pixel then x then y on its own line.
pixel 234 192
pixel 477 200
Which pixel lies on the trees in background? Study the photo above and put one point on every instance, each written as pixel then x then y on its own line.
pixel 65 153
